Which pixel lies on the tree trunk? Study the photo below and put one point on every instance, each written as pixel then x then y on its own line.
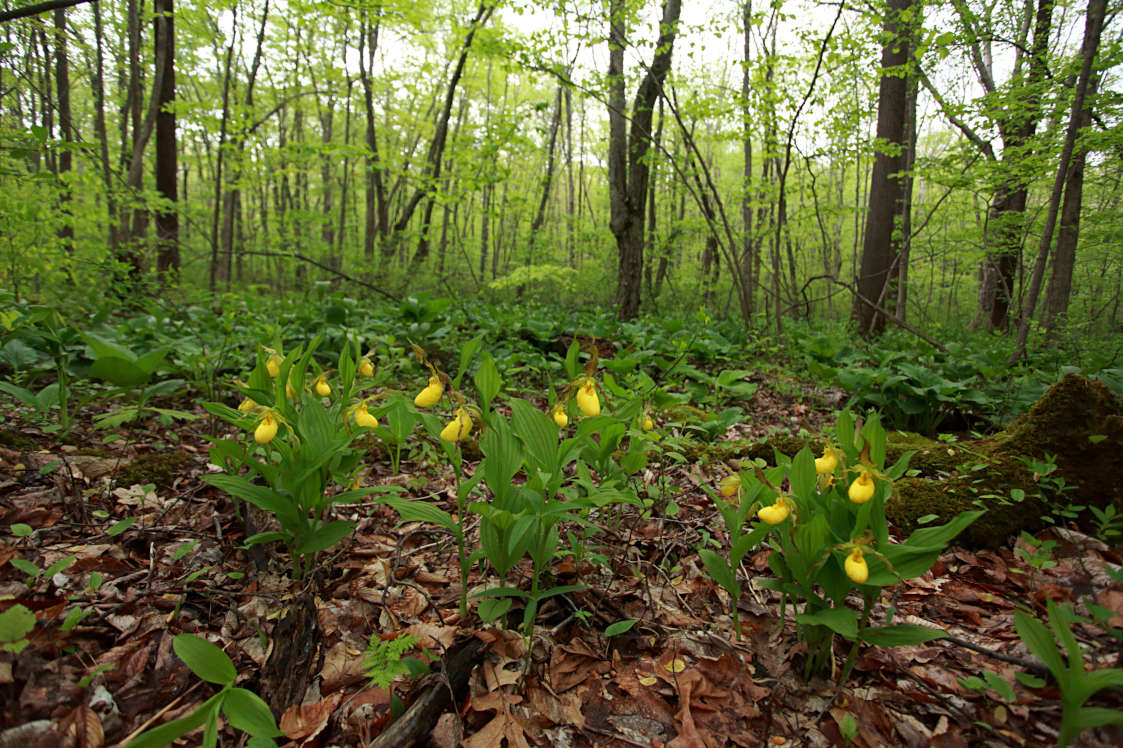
pixel 1060 282
pixel 748 244
pixel 1093 26
pixel 167 218
pixel 66 131
pixel 628 191
pixel 883 222
pixel 377 216
pixel 100 133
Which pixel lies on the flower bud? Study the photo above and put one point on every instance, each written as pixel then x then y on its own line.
pixel 587 399
pixel 364 418
pixel 774 514
pixel 323 389
pixel 862 489
pixel 265 430
pixel 856 567
pixel 431 395
pixel 273 365
pixel 648 424
pixel 247 405
pixel 730 485
pixel 826 464
pixel 560 418
pixel 458 428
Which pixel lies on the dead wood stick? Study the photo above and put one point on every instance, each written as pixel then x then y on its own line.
pixel 414 726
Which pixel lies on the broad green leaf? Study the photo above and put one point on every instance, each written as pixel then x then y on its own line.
pixel 15 623
pixel 841 620
pixel 537 432
pixel 247 712
pixel 118 371
pixel 419 511
pixel 260 496
pixel 468 350
pixel 205 659
pixel 167 734
pixel 487 379
pixel 615 629
pixel 720 571
pixel 324 537
pixel 1096 716
pixel 1040 642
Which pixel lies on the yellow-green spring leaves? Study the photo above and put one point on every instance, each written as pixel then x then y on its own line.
pixel 862 489
pixel 587 399
pixel 431 394
pixel 458 428
pixel 775 513
pixel 364 418
pixel 856 567
pixel 266 429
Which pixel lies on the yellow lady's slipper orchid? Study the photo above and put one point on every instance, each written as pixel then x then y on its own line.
pixel 587 399
pixel 290 391
pixel 366 368
pixel 856 567
pixel 364 418
pixel 862 489
pixel 458 428
pixel 273 364
pixel 648 424
pixel 431 395
pixel 265 430
pixel 323 389
pixel 560 418
pixel 775 513
pixel 247 405
pixel 730 485
pixel 826 464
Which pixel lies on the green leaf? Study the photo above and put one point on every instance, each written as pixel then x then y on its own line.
pixel 467 351
pixel 619 627
pixel 118 371
pixel 419 511
pixel 61 565
pixel 1040 642
pixel 487 379
pixel 491 608
pixel 1004 690
pixel 260 496
pixel 900 635
pixel 841 620
pixel 1096 716
pixel 167 734
pixel 21 530
pixel 26 567
pixel 537 432
pixel 324 537
pixel 247 712
pixel 205 659
pixel 721 572
pixel 120 526
pixel 15 623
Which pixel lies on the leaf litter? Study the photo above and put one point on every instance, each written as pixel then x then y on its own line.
pixel 679 678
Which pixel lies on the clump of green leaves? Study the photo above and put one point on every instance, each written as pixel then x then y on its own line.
pixel 242 708
pixel 384 662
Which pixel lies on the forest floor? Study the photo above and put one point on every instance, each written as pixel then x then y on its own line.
pixel 680 677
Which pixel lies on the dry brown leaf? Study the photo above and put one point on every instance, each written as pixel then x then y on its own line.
pixel 302 723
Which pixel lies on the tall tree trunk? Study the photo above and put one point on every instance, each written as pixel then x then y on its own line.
pixel 66 131
pixel 628 191
pixel 1060 282
pixel 100 134
pixel 1093 26
pixel 485 225
pixel 748 244
pixel 1006 219
pixel 434 158
pixel 220 263
pixel 167 217
pixel 883 222
pixel 546 181
pixel 376 223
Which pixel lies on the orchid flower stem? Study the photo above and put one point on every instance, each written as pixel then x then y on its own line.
pixel 851 658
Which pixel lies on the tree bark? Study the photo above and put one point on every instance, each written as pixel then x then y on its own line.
pixel 66 131
pixel 628 190
pixel 167 217
pixel 886 198
pixel 1093 26
pixel 377 215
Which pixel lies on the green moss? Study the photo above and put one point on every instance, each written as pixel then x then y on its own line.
pixel 161 468
pixel 15 440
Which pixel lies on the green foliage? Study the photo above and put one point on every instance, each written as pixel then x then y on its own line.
pixel 1066 663
pixel 290 474
pixel 384 662
pixel 15 624
pixel 243 709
